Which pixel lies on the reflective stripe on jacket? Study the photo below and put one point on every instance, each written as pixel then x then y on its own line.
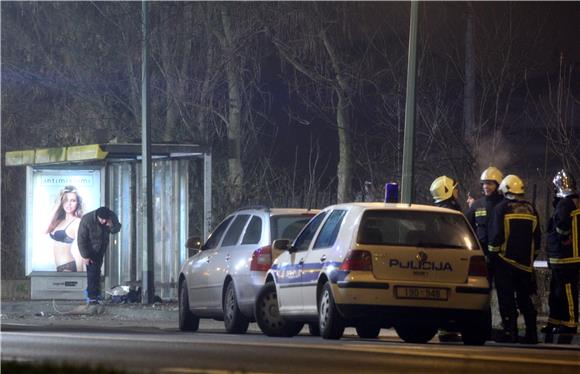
pixel 479 216
pixel 564 232
pixel 515 233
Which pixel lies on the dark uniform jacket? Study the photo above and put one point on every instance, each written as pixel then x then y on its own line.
pixel 450 203
pixel 479 216
pixel 93 238
pixel 563 233
pixel 514 233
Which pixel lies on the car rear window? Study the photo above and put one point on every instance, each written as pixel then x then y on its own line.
pixel 288 226
pixel 416 229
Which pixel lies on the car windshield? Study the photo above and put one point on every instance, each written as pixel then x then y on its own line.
pixel 416 229
pixel 288 226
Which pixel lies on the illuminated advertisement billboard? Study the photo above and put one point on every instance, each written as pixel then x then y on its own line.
pixel 56 200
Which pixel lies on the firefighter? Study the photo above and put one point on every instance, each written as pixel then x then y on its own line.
pixel 514 239
pixel 564 257
pixel 445 193
pixel 479 213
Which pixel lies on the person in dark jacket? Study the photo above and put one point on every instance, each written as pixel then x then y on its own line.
pixel 93 241
pixel 444 191
pixel 515 239
pixel 479 213
pixel 564 257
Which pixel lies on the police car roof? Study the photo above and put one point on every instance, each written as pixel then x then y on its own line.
pixel 392 206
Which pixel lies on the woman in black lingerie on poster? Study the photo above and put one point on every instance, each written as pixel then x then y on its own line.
pixel 63 229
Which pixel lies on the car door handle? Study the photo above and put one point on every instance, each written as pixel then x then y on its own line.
pixel 228 257
pixel 301 262
pixel 323 258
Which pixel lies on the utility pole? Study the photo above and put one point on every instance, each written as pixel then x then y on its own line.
pixel 409 136
pixel 146 171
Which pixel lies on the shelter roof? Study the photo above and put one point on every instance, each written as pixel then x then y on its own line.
pixel 99 152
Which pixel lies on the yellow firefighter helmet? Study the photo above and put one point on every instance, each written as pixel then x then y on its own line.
pixel 442 188
pixel 512 184
pixel 491 174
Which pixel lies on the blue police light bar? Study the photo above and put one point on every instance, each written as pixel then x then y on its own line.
pixel 391 193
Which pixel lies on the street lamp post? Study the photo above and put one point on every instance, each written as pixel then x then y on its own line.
pixel 146 171
pixel 409 136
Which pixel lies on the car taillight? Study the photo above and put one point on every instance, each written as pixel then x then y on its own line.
pixel 357 260
pixel 261 259
pixel 478 266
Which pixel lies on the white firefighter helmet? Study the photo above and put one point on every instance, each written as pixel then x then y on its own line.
pixel 492 174
pixel 564 184
pixel 512 185
pixel 442 188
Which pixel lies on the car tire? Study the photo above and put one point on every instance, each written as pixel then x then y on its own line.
pixel 187 320
pixel 234 321
pixel 368 330
pixel 416 333
pixel 477 330
pixel 314 328
pixel 268 316
pixel 331 322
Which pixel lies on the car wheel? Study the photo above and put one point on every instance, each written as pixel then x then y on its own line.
pixel 234 320
pixel 477 330
pixel 314 328
pixel 368 330
pixel 331 323
pixel 268 316
pixel 187 320
pixel 415 333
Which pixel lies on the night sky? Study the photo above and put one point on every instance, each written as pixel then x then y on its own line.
pixel 71 75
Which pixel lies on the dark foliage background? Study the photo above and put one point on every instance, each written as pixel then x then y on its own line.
pixel 302 103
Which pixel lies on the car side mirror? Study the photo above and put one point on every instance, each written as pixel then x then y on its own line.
pixel 193 245
pixel 281 244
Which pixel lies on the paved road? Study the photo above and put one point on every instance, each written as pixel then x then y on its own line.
pixel 170 351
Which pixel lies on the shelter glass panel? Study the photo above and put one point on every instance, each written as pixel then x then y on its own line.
pixel 170 222
pixel 121 200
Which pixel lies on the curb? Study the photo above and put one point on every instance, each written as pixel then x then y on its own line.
pixel 568 339
pixel 47 314
pixel 58 308
pixel 137 326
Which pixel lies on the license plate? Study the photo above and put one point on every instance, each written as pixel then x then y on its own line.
pixel 421 293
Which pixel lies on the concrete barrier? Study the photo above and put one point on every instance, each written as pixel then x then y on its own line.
pixel 15 289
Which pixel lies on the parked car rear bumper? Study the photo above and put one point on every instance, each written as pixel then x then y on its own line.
pixel 382 296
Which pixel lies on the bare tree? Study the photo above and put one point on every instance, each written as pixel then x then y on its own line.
pixel 469 81
pixel 174 60
pixel 314 39
pixel 556 109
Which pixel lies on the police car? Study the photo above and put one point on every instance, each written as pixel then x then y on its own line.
pixel 416 268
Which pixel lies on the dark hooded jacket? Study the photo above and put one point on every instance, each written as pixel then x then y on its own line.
pixel 93 238
pixel 514 233
pixel 479 216
pixel 450 203
pixel 564 233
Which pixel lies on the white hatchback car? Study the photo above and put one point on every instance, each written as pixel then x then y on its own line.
pixel 222 279
pixel 416 268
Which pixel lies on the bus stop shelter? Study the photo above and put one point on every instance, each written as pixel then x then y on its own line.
pixel 110 175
